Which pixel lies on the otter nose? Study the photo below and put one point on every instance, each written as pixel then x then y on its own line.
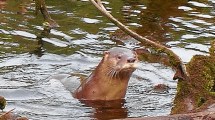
pixel 131 60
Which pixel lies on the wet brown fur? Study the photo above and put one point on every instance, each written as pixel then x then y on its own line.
pixel 109 80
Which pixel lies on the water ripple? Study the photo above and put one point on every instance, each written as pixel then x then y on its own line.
pixel 29 81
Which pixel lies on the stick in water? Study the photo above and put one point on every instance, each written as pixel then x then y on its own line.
pixel 175 61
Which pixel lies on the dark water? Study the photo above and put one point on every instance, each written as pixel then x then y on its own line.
pixel 76 47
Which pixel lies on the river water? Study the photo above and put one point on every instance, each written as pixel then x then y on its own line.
pixel 75 48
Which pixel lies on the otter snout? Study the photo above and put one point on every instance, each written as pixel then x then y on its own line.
pixel 131 60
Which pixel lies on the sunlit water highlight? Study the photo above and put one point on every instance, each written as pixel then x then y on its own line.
pixel 77 46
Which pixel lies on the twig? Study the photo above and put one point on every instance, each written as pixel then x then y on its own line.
pixel 41 6
pixel 175 61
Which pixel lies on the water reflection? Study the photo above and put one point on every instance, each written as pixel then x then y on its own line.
pixel 105 110
pixel 154 17
pixel 39 50
pixel 20 9
pixel 185 22
pixel 30 55
pixel 2 4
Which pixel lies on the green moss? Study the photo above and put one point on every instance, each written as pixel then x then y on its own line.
pixel 201 101
pixel 200 88
pixel 212 49
pixel 183 88
pixel 183 91
pixel 212 94
pixel 209 75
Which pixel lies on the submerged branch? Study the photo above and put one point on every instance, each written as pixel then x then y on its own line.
pixel 41 6
pixel 175 61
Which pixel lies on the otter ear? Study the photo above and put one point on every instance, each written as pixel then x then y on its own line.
pixel 106 53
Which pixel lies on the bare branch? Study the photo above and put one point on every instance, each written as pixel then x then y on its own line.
pixel 175 61
pixel 41 6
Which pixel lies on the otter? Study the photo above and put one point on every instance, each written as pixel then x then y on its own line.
pixel 109 80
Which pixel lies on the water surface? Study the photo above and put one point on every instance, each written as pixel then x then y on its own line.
pixel 76 47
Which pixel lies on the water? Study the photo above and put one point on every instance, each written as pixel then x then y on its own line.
pixel 75 48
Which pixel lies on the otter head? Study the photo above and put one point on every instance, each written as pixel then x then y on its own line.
pixel 119 62
pixel 109 80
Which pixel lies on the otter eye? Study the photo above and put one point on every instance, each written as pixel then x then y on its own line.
pixel 119 57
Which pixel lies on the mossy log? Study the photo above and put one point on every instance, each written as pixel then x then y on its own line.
pixel 199 92
pixel 212 49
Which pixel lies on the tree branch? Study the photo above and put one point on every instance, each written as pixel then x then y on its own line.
pixel 41 6
pixel 175 61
